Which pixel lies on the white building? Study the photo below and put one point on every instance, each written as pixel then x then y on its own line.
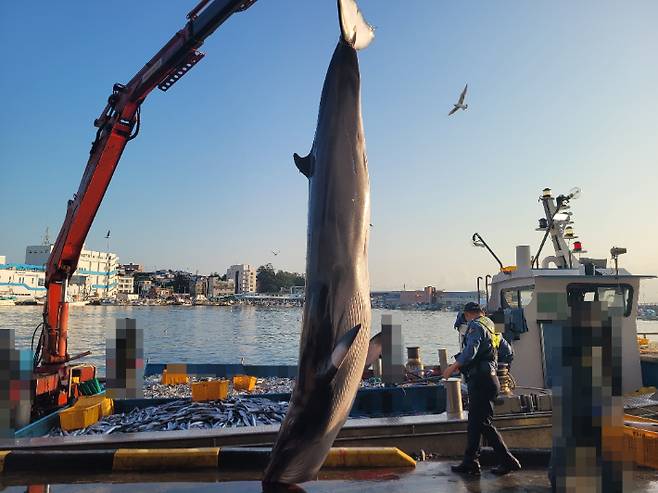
pixel 21 281
pixel 125 284
pixel 96 275
pixel 243 276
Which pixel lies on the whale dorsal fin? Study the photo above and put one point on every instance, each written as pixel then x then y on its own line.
pixel 304 164
pixel 343 346
pixel 374 349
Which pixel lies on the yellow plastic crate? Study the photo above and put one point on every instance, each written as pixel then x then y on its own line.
pixel 172 378
pixel 210 391
pixel 641 445
pixel 106 404
pixel 244 382
pixel 75 418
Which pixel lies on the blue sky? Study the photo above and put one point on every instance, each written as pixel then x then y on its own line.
pixel 560 94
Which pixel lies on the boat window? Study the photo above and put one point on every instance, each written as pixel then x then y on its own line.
pixel 517 297
pixel 525 296
pixel 606 293
pixel 510 298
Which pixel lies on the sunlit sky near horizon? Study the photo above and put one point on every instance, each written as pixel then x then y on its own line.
pixel 561 94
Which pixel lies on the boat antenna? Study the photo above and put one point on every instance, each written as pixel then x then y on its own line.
pixel 561 202
pixel 615 252
pixel 478 241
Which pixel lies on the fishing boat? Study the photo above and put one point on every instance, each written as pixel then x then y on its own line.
pixel 528 300
pixel 7 301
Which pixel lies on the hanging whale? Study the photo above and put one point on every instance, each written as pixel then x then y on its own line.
pixel 336 319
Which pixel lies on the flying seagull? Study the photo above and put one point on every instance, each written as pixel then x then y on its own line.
pixel 460 104
pixel 275 252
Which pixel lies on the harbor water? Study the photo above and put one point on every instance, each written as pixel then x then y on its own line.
pixel 211 334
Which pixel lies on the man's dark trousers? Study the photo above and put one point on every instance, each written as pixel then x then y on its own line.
pixel 482 391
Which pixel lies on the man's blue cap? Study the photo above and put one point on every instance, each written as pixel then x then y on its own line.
pixel 472 306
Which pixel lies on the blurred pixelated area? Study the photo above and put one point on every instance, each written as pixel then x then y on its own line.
pixel 15 384
pixel 582 335
pixel 125 360
pixel 392 351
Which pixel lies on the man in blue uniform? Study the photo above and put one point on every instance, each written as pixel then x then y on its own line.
pixel 477 362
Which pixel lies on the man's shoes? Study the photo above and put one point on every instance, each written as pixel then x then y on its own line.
pixel 510 464
pixel 471 468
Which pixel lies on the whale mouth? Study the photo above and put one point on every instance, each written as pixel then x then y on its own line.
pixel 355 30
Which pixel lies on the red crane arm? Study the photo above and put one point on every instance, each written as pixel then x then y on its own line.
pixel 117 124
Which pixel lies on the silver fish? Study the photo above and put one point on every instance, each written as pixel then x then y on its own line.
pixel 336 318
pixel 184 415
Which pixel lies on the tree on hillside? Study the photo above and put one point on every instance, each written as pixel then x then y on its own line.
pixel 270 281
pixel 287 279
pixel 266 279
pixel 181 283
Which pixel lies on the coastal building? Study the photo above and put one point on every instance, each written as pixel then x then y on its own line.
pixel 298 291
pixel 95 277
pixel 457 299
pixel 130 268
pixel 125 284
pixel 428 297
pixel 21 281
pixel 198 285
pixel 144 287
pixel 405 298
pixel 243 276
pixel 161 293
pixel 216 287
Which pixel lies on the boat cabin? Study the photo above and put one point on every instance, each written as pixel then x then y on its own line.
pixel 531 301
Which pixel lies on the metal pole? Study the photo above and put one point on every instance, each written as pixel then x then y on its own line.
pixel 443 358
pixel 478 287
pixel 454 408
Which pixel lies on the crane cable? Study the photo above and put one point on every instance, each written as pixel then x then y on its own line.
pixel 37 353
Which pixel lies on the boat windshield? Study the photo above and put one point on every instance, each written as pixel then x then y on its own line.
pixel 612 294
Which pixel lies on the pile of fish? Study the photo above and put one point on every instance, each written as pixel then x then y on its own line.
pixel 186 415
pixel 269 385
pixel 154 389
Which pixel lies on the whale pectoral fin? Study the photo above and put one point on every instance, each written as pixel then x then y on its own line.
pixel 343 346
pixel 374 349
pixel 304 164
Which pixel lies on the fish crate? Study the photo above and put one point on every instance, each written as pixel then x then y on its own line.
pixel 75 418
pixel 173 378
pixel 640 444
pixel 106 404
pixel 210 391
pixel 244 382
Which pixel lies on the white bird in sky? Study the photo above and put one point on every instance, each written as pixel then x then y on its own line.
pixel 460 104
pixel 275 252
